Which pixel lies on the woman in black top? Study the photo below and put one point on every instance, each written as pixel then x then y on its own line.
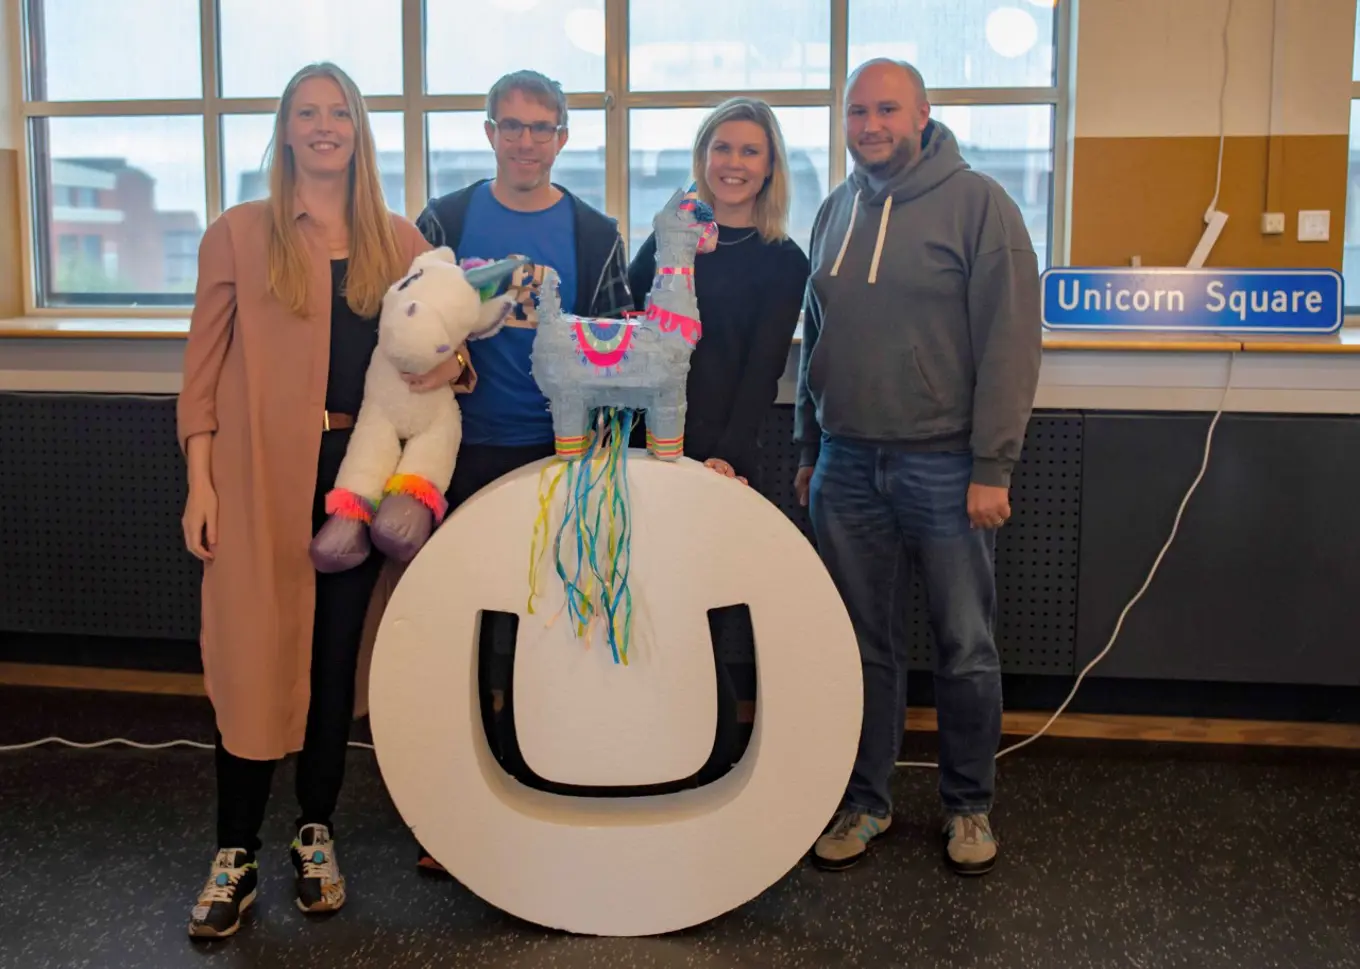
pixel 750 290
pixel 750 287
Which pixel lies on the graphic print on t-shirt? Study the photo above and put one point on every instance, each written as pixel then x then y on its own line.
pixel 526 283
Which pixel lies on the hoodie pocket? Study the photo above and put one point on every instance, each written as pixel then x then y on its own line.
pixel 924 386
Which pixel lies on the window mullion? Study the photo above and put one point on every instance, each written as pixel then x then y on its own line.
pixel 212 109
pixel 840 59
pixel 413 108
pixel 617 104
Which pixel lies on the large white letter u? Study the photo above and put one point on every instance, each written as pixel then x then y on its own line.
pixel 619 866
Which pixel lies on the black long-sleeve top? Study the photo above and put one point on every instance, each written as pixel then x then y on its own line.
pixel 353 340
pixel 750 293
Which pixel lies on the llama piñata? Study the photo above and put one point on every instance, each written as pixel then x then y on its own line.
pixel 639 363
pixel 597 374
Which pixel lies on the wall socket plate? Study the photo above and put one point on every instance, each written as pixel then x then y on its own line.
pixel 1315 225
pixel 1272 224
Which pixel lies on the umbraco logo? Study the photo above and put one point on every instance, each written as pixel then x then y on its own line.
pixel 626 865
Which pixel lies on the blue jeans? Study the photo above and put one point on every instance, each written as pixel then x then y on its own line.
pixel 878 513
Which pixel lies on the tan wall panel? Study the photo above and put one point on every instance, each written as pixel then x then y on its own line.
pixel 1147 197
pixel 9 97
pixel 1153 68
pixel 11 255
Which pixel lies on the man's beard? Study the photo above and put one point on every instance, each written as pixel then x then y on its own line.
pixel 903 154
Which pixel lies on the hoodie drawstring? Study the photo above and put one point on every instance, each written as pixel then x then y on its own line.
pixel 878 246
pixel 845 243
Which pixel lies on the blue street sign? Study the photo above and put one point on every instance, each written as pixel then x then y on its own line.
pixel 1193 300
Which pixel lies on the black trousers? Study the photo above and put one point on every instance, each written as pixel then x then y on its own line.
pixel 342 600
pixel 478 466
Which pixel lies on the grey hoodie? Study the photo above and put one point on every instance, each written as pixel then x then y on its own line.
pixel 921 322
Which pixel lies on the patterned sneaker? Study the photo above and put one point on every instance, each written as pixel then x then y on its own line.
pixel 846 840
pixel 970 846
pixel 229 891
pixel 320 886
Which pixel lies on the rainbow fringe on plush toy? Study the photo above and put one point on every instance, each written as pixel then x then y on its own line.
pixel 592 548
pixel 422 490
pixel 346 504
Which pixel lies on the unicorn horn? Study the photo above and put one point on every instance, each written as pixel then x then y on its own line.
pixel 485 278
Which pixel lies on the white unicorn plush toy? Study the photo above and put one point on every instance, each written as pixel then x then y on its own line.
pixel 389 492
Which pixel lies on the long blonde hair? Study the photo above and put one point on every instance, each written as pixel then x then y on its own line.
pixel 374 254
pixel 771 215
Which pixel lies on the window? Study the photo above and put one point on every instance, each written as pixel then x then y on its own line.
pixel 181 257
pixel 263 42
pixel 737 45
pixel 1350 258
pixel 565 39
pixel 145 119
pixel 992 67
pixel 459 154
pixel 120 183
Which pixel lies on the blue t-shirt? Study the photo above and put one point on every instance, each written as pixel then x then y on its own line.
pixel 507 408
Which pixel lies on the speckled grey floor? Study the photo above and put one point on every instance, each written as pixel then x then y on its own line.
pixel 1112 856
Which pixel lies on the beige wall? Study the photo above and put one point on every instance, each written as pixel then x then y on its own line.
pixel 11 277
pixel 1148 82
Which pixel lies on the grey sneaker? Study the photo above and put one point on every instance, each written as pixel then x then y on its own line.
pixel 970 846
pixel 846 840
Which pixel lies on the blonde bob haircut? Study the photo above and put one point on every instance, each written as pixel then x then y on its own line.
pixel 374 254
pixel 772 202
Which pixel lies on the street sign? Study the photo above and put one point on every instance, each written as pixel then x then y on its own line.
pixel 1193 300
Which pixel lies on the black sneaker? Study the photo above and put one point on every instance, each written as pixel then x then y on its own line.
pixel 320 886
pixel 229 891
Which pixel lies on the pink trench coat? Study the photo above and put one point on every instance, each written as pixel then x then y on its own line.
pixel 255 378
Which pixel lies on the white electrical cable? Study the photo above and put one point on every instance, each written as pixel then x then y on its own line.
pixel 1175 526
pixel 124 742
pixel 1222 115
pixel 1204 466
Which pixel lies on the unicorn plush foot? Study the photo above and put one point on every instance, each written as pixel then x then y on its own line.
pixel 402 526
pixel 341 544
pixel 410 510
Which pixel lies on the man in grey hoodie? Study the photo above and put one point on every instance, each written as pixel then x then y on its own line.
pixel 920 358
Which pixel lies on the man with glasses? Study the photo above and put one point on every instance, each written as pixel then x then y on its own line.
pixel 506 423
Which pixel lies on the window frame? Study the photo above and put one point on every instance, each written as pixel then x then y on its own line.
pixel 1351 311
pixel 616 101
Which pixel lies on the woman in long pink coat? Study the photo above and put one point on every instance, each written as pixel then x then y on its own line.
pixel 284 323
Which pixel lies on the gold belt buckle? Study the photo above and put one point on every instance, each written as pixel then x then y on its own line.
pixel 326 419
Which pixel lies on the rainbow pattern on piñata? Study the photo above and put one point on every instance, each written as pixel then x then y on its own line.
pixel 603 343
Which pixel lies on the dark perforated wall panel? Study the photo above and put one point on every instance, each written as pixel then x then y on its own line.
pixel 779 465
pixel 92 488
pixel 1036 552
pixel 1260 585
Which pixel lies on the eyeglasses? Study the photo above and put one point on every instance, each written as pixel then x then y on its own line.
pixel 539 131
